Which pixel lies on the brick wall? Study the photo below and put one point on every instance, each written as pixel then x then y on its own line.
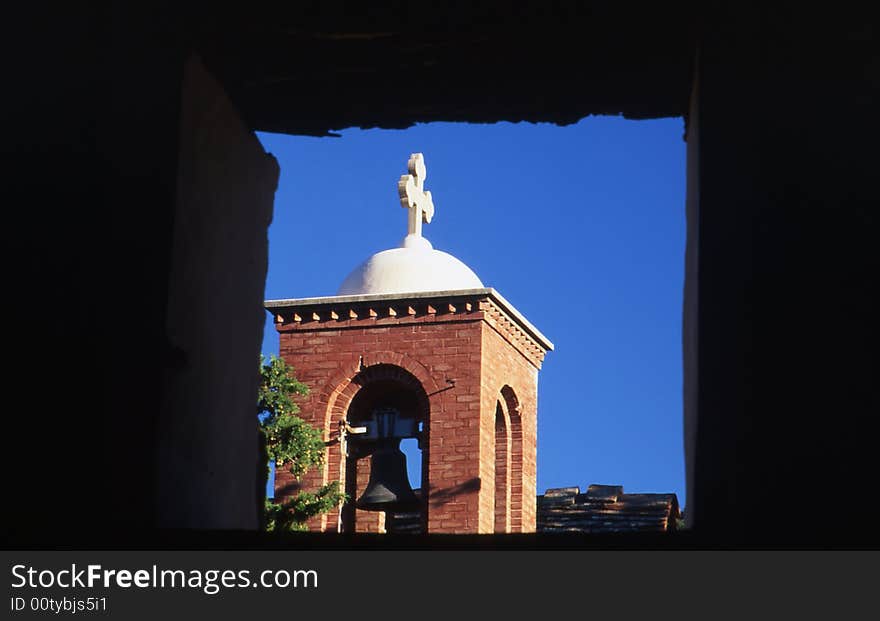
pixel 462 357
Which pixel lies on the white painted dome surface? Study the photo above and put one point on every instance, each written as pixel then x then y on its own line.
pixel 412 268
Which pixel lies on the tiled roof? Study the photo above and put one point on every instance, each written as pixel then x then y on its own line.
pixel 605 509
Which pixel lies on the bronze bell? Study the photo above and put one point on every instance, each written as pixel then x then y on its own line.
pixel 388 488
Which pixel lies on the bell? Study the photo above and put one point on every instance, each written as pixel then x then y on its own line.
pixel 388 488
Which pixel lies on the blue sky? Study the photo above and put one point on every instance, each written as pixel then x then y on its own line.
pixel 581 228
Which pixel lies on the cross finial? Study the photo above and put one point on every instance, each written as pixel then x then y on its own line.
pixel 413 196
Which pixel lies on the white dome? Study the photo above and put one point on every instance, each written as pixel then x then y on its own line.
pixel 412 268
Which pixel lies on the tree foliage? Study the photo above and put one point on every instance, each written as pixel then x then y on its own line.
pixel 292 444
pixel 292 514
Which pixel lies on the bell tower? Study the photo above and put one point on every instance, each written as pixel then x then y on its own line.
pixel 413 345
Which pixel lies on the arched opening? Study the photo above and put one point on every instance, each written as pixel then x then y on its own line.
pixel 589 242
pixel 515 471
pixel 502 471
pixel 385 387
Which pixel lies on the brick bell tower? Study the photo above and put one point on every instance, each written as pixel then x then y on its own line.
pixel 413 331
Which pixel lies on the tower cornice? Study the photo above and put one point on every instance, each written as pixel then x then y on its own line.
pixel 319 313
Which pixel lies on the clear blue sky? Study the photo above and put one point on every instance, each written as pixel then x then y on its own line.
pixel 581 228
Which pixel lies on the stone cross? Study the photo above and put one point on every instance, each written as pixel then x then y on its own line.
pixel 411 188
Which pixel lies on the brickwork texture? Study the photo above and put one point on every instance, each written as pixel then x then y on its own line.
pixel 475 372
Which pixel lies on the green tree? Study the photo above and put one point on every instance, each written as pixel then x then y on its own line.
pixel 291 443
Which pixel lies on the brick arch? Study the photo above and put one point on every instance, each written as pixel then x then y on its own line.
pixel 502 468
pixel 354 375
pixel 340 390
pixel 511 404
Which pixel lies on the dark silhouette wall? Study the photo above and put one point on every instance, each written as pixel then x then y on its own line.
pixel 214 322
pixel 787 257
pixel 782 411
